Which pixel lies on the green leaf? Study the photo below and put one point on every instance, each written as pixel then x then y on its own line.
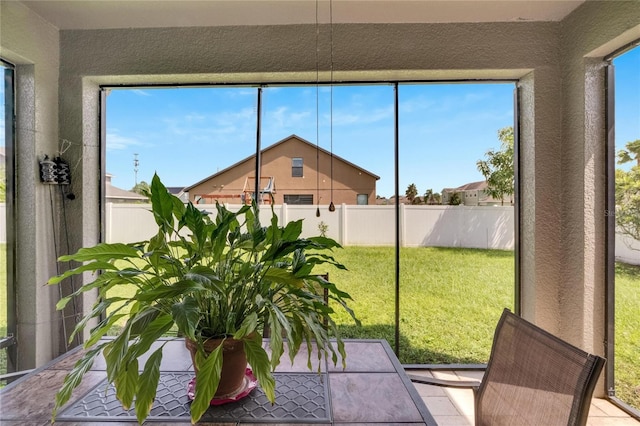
pixel 63 302
pixel 159 326
pixel 169 291
pixel 195 222
pixel 74 377
pixel 205 276
pixel 102 252
pixel 114 352
pixel 248 326
pixel 275 342
pixel 148 385
pixel 98 332
pixel 259 360
pixel 186 315
pixel 325 242
pixel 126 383
pixel 284 276
pixel 207 381
pixel 93 266
pixel 98 309
pixel 141 321
pixel 292 231
pixel 162 205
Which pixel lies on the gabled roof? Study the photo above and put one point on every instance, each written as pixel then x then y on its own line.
pixel 122 194
pixel 482 184
pixel 175 190
pixel 336 157
pixel 473 185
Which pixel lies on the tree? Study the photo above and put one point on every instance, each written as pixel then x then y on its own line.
pixel 497 168
pixel 428 196
pixel 411 193
pixel 628 191
pixel 142 188
pixel 431 197
pixel 631 153
pixel 454 199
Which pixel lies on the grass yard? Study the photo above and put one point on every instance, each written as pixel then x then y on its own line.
pixel 450 299
pixel 627 343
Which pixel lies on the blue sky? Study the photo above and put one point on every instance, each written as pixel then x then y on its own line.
pixel 627 114
pixel 188 134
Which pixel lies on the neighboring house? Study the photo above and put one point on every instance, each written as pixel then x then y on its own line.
pixel 392 200
pixel 474 194
pixel 179 192
pixel 289 173
pixel 117 195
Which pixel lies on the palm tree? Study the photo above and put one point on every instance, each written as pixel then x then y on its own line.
pixel 631 153
pixel 411 193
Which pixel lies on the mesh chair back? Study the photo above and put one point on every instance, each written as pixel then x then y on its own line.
pixel 535 378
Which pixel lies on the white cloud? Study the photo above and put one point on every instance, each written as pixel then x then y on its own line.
pixel 116 142
pixel 343 118
pixel 141 92
pixel 195 117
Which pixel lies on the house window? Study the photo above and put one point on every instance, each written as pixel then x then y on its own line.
pixel 363 199
pixel 296 167
pixel 306 199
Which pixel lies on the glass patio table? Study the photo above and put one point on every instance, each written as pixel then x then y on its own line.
pixel 373 389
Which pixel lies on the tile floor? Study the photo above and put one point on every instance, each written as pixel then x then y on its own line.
pixel 452 407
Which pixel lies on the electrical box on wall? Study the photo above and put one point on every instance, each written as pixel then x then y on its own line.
pixel 55 172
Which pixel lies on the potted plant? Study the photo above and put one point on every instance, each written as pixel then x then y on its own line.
pixel 227 278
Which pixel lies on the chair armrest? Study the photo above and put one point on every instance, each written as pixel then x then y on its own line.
pixel 462 384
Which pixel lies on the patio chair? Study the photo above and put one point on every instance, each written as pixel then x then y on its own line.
pixel 532 378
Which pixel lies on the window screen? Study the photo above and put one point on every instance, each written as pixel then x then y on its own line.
pixel 298 199
pixel 296 167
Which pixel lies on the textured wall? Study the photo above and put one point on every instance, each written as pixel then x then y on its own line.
pixel 581 292
pixel 33 46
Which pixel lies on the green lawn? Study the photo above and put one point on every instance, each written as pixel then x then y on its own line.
pixel 450 299
pixel 450 302
pixel 627 343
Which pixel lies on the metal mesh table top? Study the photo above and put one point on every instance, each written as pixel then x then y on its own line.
pixel 299 397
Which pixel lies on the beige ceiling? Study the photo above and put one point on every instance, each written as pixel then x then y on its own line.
pixel 99 14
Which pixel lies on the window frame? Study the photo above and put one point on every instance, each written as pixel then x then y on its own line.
pixel 300 197
pixel 395 84
pixel 10 343
pixel 299 169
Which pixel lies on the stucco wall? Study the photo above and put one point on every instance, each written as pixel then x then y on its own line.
pixel 348 181
pixel 581 292
pixel 33 46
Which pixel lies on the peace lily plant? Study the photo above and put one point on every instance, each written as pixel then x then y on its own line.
pixel 228 277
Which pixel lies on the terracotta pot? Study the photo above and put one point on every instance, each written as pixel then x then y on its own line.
pixel 234 364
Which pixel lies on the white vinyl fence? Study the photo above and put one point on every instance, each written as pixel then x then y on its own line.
pixel 445 226
pixel 627 249
pixel 420 226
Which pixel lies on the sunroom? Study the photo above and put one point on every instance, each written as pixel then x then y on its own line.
pixel 62 57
